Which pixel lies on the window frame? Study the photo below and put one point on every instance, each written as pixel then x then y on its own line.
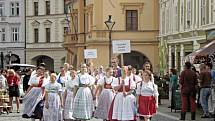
pixel 14 8
pixel 36 36
pixel 3 37
pixel 15 34
pixel 131 28
pixel 36 8
pixel 48 35
pixel 2 9
pixel 48 7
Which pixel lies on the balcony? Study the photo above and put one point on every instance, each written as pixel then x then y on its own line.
pixel 70 39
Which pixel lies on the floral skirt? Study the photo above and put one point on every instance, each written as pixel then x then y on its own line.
pixel 104 103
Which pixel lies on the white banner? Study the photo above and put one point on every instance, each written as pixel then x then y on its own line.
pixel 90 53
pixel 121 46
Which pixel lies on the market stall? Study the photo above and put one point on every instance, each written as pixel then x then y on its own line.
pixel 203 55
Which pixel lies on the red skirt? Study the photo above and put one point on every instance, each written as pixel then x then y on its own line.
pixel 147 106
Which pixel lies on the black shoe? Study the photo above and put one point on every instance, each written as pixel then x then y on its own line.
pixel 183 114
pixel 205 116
pixel 193 115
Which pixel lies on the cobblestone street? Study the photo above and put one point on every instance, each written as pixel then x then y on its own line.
pixel 164 114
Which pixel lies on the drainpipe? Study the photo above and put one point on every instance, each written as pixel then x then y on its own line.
pixel 25 31
pixel 85 60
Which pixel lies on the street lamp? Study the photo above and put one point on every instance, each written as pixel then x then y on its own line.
pixel 10 54
pixel 2 60
pixel 110 23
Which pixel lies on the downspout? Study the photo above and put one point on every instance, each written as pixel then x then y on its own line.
pixel 25 31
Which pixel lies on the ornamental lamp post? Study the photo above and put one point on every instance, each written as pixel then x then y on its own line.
pixel 110 23
pixel 10 54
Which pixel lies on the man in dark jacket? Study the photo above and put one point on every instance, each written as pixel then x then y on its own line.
pixel 188 84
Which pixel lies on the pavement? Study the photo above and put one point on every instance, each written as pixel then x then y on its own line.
pixel 164 114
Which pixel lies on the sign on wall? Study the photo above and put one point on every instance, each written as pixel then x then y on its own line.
pixel 90 53
pixel 121 46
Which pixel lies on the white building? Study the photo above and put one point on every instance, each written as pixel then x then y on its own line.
pixel 46 23
pixel 12 31
pixel 184 26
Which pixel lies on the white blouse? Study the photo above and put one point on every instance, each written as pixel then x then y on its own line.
pixel 53 87
pixel 84 79
pixel 104 79
pixel 70 83
pixel 147 89
pixel 126 80
pixel 35 81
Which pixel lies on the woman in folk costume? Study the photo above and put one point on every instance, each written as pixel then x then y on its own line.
pixel 107 94
pixel 147 97
pixel 123 105
pixel 69 96
pixel 34 94
pixel 53 100
pixel 83 102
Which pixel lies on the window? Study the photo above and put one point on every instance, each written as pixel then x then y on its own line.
pixel 15 34
pixel 76 23
pixel 182 14
pixel 66 8
pixel 189 11
pixel 48 35
pixel 86 23
pixel 203 9
pixel 17 9
pixel 167 20
pixel 131 20
pixel 3 35
pixel 36 35
pixel 163 22
pixel 1 10
pixel 176 17
pixel 212 10
pixel 36 8
pixel 47 7
pixel 14 9
pixel 207 11
pixel 66 29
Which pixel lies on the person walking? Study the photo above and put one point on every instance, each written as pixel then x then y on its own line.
pixel 53 100
pixel 69 96
pixel 26 79
pixel 205 84
pixel 106 96
pixel 83 101
pixel 13 81
pixel 188 83
pixel 173 85
pixel 3 88
pixel 211 100
pixel 123 106
pixel 147 97
pixel 34 95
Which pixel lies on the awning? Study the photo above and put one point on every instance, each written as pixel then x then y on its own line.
pixel 203 55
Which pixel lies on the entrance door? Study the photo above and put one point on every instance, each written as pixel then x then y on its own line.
pixel 135 59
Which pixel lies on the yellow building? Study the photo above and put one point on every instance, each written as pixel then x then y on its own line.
pixel 135 20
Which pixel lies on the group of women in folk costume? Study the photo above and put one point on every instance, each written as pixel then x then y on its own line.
pixel 116 97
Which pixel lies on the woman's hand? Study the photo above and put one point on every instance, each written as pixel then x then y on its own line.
pixel 156 105
pixel 47 105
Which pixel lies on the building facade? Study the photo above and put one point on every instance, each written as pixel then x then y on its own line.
pixel 135 20
pixel 184 26
pixel 12 32
pixel 46 24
